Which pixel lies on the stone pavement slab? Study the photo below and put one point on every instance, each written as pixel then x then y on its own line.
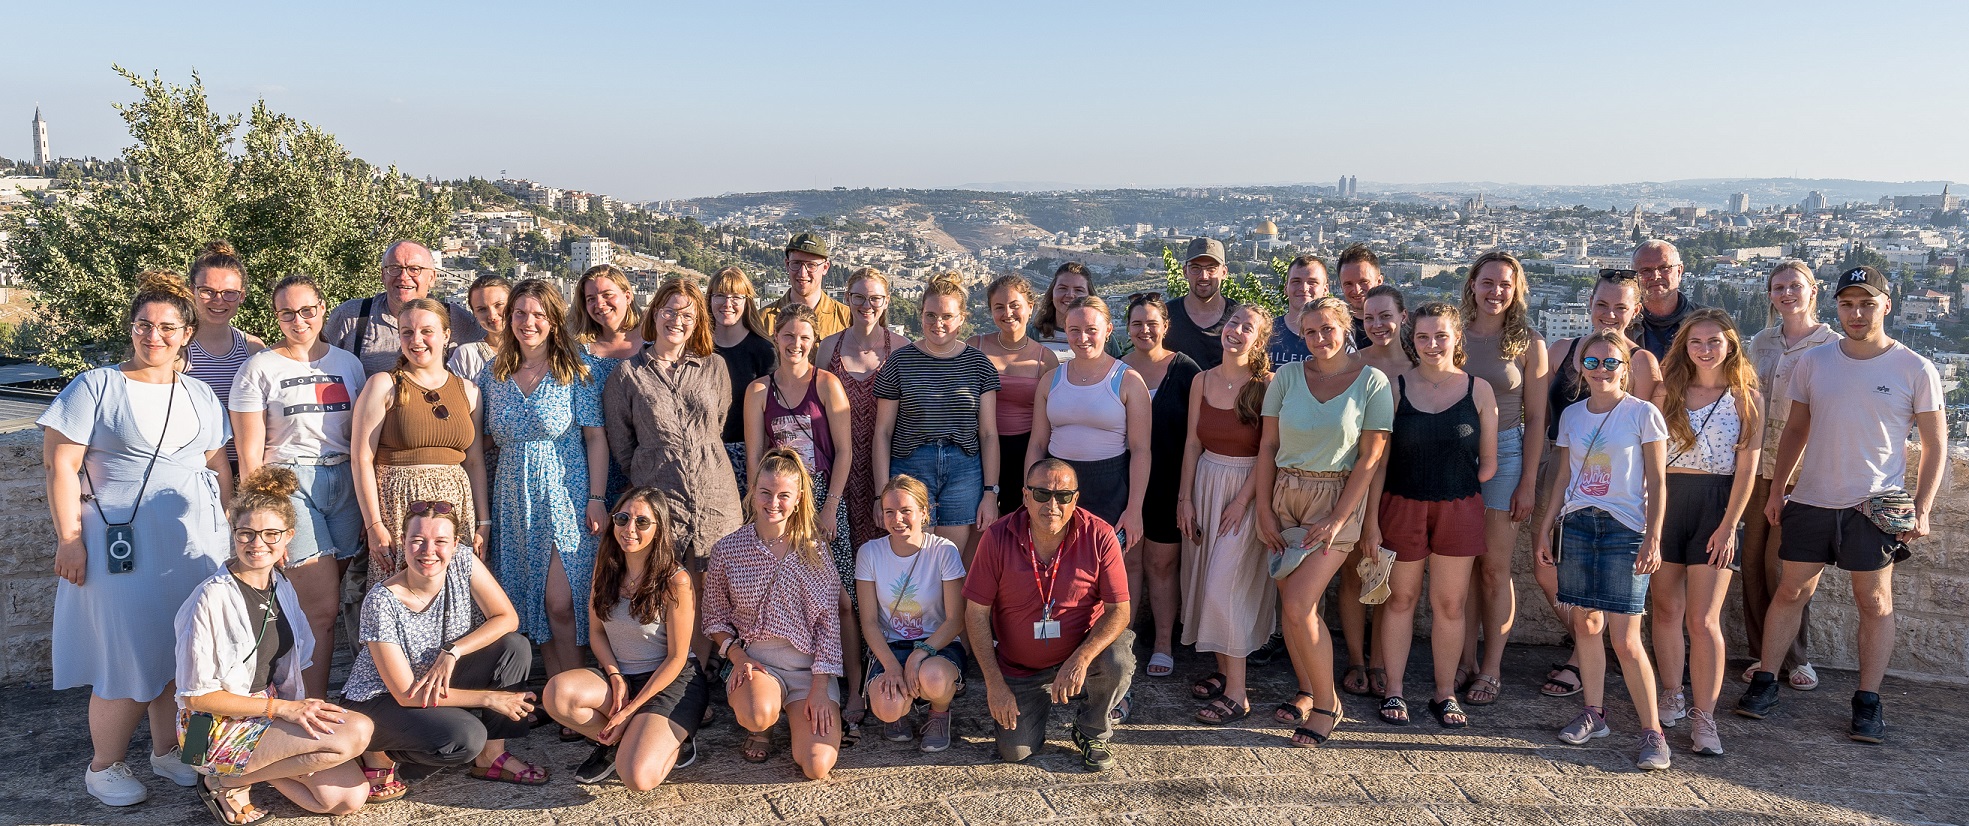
pixel 1508 767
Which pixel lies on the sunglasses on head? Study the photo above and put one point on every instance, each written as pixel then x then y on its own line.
pixel 1044 495
pixel 1619 275
pixel 1595 363
pixel 421 508
pixel 622 519
pixel 1143 298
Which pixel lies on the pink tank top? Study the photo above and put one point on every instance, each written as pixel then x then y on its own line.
pixel 1089 423
pixel 803 426
pixel 1015 394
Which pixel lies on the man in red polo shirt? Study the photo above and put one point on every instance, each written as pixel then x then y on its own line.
pixel 1048 587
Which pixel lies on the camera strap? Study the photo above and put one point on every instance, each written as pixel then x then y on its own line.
pixel 156 447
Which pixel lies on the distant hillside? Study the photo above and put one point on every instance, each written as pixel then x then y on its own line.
pixel 1659 195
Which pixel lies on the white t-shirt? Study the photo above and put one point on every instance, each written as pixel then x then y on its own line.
pixel 1604 450
pixel 152 404
pixel 1862 414
pixel 909 590
pixel 307 404
pixel 469 359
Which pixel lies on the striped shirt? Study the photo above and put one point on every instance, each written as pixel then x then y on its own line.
pixel 751 595
pixel 938 399
pixel 219 371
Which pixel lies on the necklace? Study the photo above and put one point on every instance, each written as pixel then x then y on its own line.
pixel 1434 384
pixel 926 347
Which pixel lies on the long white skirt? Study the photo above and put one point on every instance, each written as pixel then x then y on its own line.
pixel 1229 601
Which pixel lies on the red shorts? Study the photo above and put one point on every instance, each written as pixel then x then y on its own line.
pixel 1413 529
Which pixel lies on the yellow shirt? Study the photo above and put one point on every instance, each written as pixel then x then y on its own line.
pixel 833 315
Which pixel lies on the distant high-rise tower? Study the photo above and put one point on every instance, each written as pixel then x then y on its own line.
pixel 1740 203
pixel 41 155
pixel 1353 186
pixel 1814 202
pixel 1341 188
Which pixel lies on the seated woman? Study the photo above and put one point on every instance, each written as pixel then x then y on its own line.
pixel 646 701
pixel 244 716
pixel 772 606
pixel 911 586
pixel 438 687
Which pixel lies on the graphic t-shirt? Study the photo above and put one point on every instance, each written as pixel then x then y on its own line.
pixel 308 404
pixel 909 589
pixel 1604 452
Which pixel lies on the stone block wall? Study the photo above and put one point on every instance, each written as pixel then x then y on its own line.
pixel 27 561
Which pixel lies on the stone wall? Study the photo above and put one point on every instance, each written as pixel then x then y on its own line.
pixel 1931 591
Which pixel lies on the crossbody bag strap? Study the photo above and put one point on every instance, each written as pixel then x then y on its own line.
pixel 156 448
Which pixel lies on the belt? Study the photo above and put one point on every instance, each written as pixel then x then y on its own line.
pixel 330 460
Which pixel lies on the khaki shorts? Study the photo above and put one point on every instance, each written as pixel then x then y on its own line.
pixel 792 668
pixel 1300 499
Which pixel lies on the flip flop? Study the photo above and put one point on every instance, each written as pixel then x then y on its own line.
pixel 1487 684
pixel 1347 681
pixel 1161 665
pixel 757 747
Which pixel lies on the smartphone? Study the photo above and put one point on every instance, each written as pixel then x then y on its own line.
pixel 198 739
pixel 120 543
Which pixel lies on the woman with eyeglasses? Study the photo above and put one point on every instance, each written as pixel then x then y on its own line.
pixel 739 335
pixel 1020 360
pixel 136 470
pixel 1615 303
pixel 854 356
pixel 415 439
pixel 244 709
pixel 1326 424
pixel 292 407
pixel 1071 282
pixel 543 409
pixel 218 281
pixel 644 703
pixel 1167 374
pixel 443 686
pixel 1609 498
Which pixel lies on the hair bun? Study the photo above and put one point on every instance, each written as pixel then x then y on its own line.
pixel 271 480
pixel 221 248
pixel 163 281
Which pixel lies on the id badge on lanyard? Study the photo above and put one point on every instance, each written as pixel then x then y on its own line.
pixel 1046 627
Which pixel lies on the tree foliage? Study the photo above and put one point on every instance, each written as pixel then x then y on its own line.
pixel 291 200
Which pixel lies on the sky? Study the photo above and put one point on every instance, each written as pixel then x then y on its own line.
pixel 672 100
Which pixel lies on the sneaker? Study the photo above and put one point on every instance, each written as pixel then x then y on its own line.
pixel 171 766
pixel 1587 726
pixel 1702 733
pixel 115 786
pixel 1868 725
pixel 599 766
pixel 898 731
pixel 1268 652
pixel 1672 708
pixel 686 753
pixel 1760 698
pixel 936 732
pixel 1654 752
pixel 1095 755
pixel 1804 677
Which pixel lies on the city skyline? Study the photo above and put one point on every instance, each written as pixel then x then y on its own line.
pixel 1026 96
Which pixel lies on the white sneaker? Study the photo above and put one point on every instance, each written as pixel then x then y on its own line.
pixel 115 786
pixel 171 766
pixel 1672 708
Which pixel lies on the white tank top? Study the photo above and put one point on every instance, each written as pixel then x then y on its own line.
pixel 1089 423
pixel 638 648
pixel 1717 427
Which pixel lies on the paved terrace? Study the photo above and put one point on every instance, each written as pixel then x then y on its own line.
pixel 1796 767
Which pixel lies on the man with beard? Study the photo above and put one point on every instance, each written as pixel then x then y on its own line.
pixel 1197 321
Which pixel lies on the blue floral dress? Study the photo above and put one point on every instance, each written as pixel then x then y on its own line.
pixel 541 491
pixel 618 481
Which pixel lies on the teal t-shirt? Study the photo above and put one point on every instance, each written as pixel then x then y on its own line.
pixel 1323 437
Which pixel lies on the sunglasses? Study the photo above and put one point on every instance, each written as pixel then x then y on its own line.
pixel 437 405
pixel 623 519
pixel 1143 298
pixel 1619 275
pixel 421 508
pixel 270 537
pixel 1595 363
pixel 1044 495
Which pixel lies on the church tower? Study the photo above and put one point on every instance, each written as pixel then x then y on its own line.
pixel 41 156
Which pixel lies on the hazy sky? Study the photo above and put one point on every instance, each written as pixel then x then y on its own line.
pixel 655 100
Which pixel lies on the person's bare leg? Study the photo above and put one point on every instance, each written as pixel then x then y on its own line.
pixel 1449 588
pixel 647 751
pixel 1797 582
pixel 577 698
pixel 1707 588
pixel 1353 614
pixel 111 725
pixel 1233 669
pixel 1161 572
pixel 559 653
pixel 959 535
pixel 1307 641
pixel 1586 629
pixel 1395 633
pixel 1668 595
pixel 815 754
pixel 163 713
pixel 1873 598
pixel 851 658
pixel 318 584
pixel 1500 606
pixel 1625 631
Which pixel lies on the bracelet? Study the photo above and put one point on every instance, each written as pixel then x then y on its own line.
pixel 269 713
pixel 377 522
pixel 594 498
pixel 926 648
pixel 612 673
pixel 485 523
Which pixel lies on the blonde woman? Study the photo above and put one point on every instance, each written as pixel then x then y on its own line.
pixel 854 356
pixel 912 599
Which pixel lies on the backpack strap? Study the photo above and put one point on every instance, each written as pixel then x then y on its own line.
pixel 362 327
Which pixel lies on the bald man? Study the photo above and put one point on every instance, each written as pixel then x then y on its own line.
pixel 367 327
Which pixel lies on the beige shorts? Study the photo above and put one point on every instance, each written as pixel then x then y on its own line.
pixel 792 668
pixel 1300 499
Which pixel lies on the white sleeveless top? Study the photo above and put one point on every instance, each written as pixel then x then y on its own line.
pixel 1089 423
pixel 1717 427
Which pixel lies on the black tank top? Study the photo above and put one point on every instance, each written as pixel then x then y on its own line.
pixel 1433 457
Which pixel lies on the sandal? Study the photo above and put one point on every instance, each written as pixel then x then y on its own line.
pixel 1289 711
pixel 1160 665
pixel 1220 712
pixel 1445 709
pixel 569 735
pixel 1556 686
pixel 1394 711
pixel 1123 709
pixel 757 748
pixel 220 803
pixel 1314 736
pixel 498 773
pixel 1377 681
pixel 851 729
pixel 1464 677
pixel 383 784
pixel 1209 688
pixel 1488 685
pixel 1347 683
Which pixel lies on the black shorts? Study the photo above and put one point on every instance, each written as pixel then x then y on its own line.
pixel 1836 536
pixel 1696 502
pixel 682 702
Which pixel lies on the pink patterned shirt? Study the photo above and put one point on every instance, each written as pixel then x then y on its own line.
pixel 750 594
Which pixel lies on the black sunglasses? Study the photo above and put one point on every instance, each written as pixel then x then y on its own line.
pixel 1044 495
pixel 1595 363
pixel 1619 275
pixel 1143 298
pixel 623 518
pixel 437 406
pixel 421 508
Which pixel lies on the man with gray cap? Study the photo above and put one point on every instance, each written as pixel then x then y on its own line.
pixel 367 327
pixel 806 268
pixel 1197 322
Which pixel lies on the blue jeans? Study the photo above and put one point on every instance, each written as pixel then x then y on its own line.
pixel 1510 469
pixel 326 517
pixel 955 480
pixel 1596 563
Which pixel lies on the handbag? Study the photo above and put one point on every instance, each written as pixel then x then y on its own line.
pixel 1892 512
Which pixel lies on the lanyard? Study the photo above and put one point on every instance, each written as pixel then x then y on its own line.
pixel 1053 575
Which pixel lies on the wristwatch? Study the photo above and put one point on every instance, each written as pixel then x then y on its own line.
pixel 991 489
pixel 451 649
pixel 726 647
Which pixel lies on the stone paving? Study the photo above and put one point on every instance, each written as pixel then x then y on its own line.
pixel 1796 767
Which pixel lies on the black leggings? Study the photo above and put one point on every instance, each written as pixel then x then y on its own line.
pixel 441 737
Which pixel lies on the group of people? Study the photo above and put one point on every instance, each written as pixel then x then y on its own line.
pixel 790 505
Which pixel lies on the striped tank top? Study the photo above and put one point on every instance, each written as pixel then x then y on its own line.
pixel 219 371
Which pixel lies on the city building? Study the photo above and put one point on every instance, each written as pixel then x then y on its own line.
pixel 1569 321
pixel 1264 240
pixel 41 154
pixel 592 251
pixel 1815 202
pixel 1740 203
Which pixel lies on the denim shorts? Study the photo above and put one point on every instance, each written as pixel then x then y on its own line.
pixel 1510 468
pixel 1596 563
pixel 955 480
pixel 327 519
pixel 902 650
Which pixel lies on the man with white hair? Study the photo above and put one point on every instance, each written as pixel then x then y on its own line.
pixel 367 327
pixel 1663 306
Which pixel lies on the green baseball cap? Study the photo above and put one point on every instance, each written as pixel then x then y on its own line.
pixel 1210 248
pixel 808 243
